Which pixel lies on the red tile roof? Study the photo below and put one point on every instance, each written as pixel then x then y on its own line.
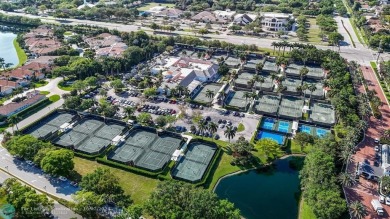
pixel 12 107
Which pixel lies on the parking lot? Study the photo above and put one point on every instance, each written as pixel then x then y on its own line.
pixel 160 107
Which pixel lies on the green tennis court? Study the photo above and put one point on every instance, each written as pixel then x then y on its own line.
pixel 291 107
pixel 41 130
pixel 93 145
pixel 109 131
pixel 195 162
pixel 322 113
pixel 236 99
pixel 166 145
pixel 201 96
pixel 59 119
pixel 141 138
pixel 267 104
pixel 153 161
pixel 88 126
pixel 126 153
pixel 70 138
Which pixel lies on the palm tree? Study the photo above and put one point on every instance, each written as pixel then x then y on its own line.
pixel 358 210
pixel 246 95
pixel 386 133
pixel 273 77
pixel 14 120
pixel 212 127
pixel 274 44
pixel 303 72
pixel 259 67
pixel 222 96
pixel 312 88
pixel 304 88
pixel 210 94
pixel 202 126
pixel 299 89
pixel 346 179
pixel 129 111
pixel 230 132
pixel 251 83
pixel 260 79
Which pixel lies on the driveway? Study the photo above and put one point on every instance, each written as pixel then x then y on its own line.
pixel 366 190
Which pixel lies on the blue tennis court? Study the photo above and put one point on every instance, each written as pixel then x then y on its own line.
pixel 283 126
pixel 306 129
pixel 321 132
pixel 268 123
pixel 274 136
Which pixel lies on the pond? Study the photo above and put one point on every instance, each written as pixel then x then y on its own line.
pixel 267 195
pixel 7 49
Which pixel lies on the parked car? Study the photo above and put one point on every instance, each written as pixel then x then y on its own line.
pixel 377 148
pixel 63 179
pixel 29 162
pixel 216 137
pixel 376 140
pixel 221 126
pixel 387 201
pixel 74 184
pixel 382 199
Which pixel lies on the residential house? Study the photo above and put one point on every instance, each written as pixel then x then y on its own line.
pixel 244 19
pixel 172 13
pixel 115 50
pixel 207 17
pixel 7 86
pixel 224 15
pixel 13 108
pixel 41 41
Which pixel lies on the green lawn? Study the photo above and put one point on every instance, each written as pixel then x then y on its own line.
pixel 40 83
pixel 54 98
pixel 20 52
pixel 240 127
pixel 314 31
pixel 305 211
pixel 137 186
pixel 44 92
pixel 67 33
pixel 150 5
pixel 65 87
pixel 296 149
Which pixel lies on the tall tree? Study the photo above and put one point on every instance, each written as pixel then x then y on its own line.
pixel 175 199
pixel 230 133
pixel 358 210
pixel 58 162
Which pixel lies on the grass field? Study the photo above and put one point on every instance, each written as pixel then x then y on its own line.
pixel 240 127
pixel 65 87
pixel 20 52
pixel 54 98
pixel 150 5
pixel 137 186
pixel 305 211
pixel 40 83
pixel 44 92
pixel 296 149
pixel 314 32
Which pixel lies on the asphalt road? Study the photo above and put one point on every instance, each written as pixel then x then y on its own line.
pixel 53 89
pixel 362 55
pixel 35 177
pixel 59 211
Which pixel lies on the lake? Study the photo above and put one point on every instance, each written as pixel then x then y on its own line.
pixel 7 49
pixel 270 194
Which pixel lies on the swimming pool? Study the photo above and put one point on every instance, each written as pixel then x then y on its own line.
pixel 321 132
pixel 306 129
pixel 283 126
pixel 268 123
pixel 274 136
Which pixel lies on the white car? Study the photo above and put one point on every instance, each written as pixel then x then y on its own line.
pixel 29 162
pixel 376 140
pixel 381 199
pixel 387 201
pixel 63 179
pixel 376 148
